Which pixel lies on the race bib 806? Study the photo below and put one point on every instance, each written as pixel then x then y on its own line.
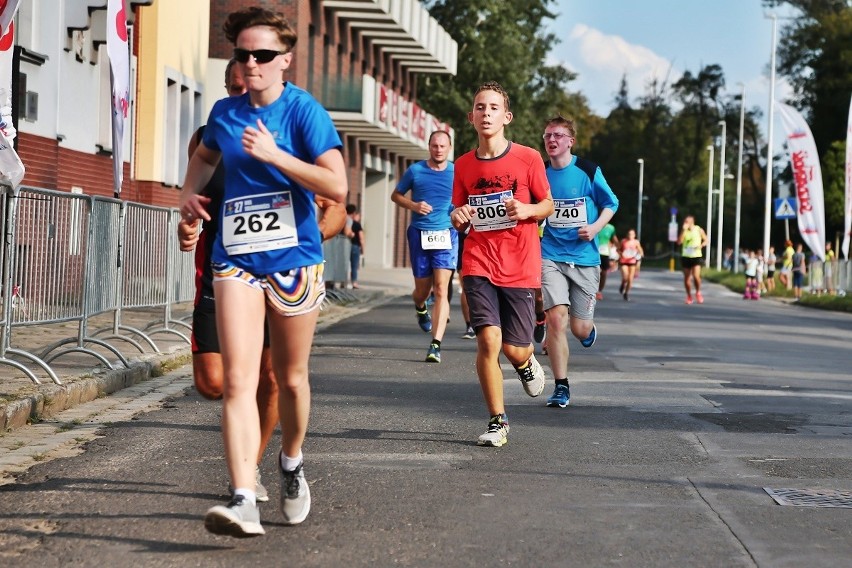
pixel 489 211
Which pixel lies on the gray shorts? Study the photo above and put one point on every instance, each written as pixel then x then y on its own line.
pixel 569 285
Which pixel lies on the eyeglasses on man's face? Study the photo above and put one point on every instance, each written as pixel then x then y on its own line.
pixel 555 135
pixel 260 55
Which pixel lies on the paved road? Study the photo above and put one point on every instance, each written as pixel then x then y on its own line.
pixel 680 417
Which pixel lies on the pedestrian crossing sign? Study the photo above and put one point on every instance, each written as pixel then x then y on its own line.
pixel 785 208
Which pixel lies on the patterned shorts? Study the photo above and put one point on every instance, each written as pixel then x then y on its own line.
pixel 291 293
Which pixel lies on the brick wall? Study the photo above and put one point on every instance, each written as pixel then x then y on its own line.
pixel 50 166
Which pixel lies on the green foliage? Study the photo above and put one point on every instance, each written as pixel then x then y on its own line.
pixel 669 125
pixel 815 54
pixel 670 128
pixel 503 41
pixel 834 188
pixel 736 282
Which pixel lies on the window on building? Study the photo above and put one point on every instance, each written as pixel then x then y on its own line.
pixel 28 15
pixel 312 32
pixel 183 117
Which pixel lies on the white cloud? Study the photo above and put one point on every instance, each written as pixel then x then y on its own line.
pixel 613 55
pixel 601 60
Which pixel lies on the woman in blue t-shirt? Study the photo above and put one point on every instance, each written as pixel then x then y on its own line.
pixel 279 147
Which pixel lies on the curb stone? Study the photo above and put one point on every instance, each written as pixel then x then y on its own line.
pixel 38 402
pixel 49 399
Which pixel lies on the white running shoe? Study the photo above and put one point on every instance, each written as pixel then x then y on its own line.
pixel 497 433
pixel 532 377
pixel 295 495
pixel 239 518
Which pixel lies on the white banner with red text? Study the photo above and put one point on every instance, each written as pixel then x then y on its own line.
pixel 847 204
pixel 8 8
pixel 807 178
pixel 119 64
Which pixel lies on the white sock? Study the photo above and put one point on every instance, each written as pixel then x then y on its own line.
pixel 288 463
pixel 247 494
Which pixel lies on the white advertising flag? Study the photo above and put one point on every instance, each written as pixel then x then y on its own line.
pixel 119 65
pixel 847 217
pixel 7 48
pixel 807 178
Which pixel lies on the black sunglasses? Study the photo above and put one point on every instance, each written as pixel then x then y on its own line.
pixel 260 55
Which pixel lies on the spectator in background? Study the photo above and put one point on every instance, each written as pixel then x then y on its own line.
pixel 357 240
pixel 728 259
pixel 761 272
pixel 751 292
pixel 787 265
pixel 771 260
pixel 828 271
pixel 799 268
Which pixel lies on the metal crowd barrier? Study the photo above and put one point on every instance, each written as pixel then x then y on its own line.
pixel 68 257
pixel 336 251
pixel 829 276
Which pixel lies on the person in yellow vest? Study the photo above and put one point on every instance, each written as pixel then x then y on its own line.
pixel 828 271
pixel 692 240
pixel 787 265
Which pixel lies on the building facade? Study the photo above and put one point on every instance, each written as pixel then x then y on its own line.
pixel 359 58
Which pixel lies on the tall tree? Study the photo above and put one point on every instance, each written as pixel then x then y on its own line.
pixel 834 181
pixel 503 41
pixel 815 54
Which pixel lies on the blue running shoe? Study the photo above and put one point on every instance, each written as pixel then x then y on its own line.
pixel 434 354
pixel 561 397
pixel 589 341
pixel 424 319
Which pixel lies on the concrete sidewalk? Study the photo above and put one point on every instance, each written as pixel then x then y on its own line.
pixel 84 378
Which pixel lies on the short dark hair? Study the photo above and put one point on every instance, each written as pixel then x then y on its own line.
pixel 240 20
pixel 351 208
pixel 497 88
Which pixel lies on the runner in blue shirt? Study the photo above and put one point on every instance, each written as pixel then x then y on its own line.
pixel 433 243
pixel 280 148
pixel 570 271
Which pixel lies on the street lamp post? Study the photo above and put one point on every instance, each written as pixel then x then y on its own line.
pixel 641 163
pixel 709 230
pixel 724 142
pixel 740 185
pixel 767 207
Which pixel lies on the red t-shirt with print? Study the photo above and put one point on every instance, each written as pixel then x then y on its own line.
pixel 509 258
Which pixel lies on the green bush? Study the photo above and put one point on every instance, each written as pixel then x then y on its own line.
pixel 736 282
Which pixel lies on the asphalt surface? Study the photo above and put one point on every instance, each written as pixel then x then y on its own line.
pixel 680 417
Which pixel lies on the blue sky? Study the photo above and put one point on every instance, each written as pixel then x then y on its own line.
pixel 604 39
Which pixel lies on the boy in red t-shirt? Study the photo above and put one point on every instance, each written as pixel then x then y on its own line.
pixel 501 191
